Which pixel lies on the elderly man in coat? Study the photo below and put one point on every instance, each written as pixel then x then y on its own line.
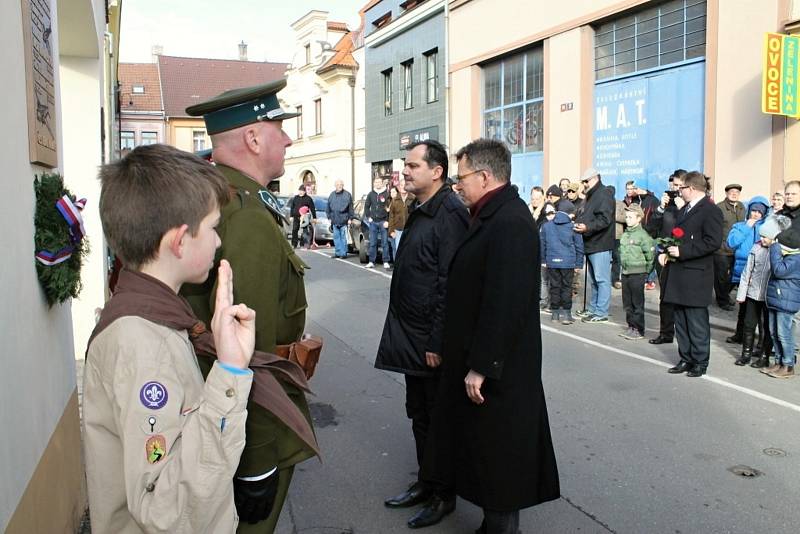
pixel 491 412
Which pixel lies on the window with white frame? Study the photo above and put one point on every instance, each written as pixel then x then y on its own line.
pixel 408 84
pixel 387 92
pixel 513 90
pixel 299 122
pixel 666 33
pixel 318 116
pixel 127 140
pixel 138 89
pixel 432 75
pixel 149 138
pixel 198 140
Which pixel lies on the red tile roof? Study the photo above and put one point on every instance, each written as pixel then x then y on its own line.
pixel 146 75
pixel 337 27
pixel 186 81
pixel 343 56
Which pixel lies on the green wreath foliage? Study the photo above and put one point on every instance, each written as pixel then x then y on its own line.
pixel 63 280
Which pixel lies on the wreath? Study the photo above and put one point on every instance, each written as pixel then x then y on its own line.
pixel 59 239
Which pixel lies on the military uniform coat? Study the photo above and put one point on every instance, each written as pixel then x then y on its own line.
pixel 499 454
pixel 268 277
pixel 689 280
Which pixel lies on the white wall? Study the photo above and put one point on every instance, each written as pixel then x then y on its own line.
pixel 38 374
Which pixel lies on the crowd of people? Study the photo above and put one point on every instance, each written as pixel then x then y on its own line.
pixel 628 244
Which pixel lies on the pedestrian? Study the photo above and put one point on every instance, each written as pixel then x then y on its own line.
pixel 596 224
pixel 562 255
pixel 733 211
pixel 398 213
pixel 752 292
pixel 791 202
pixel 151 465
pixel 573 195
pixel 249 149
pixel 689 273
pixel 783 300
pixel 636 251
pixel 777 202
pixel 662 222
pixel 491 421
pixel 376 210
pixel 536 205
pixel 340 214
pixel 299 201
pixel 634 194
pixel 741 238
pixel 412 339
pixel 305 227
pixel 563 184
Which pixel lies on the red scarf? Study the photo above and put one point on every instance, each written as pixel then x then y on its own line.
pixel 476 209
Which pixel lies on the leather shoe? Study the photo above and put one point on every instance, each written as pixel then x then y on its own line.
pixel 434 511
pixel 660 340
pixel 695 372
pixel 682 367
pixel 414 495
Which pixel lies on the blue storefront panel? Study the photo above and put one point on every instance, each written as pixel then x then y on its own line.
pixel 526 172
pixel 648 125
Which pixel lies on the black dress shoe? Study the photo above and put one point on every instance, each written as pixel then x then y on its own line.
pixel 433 512
pixel 414 495
pixel 660 340
pixel 682 367
pixel 735 339
pixel 696 372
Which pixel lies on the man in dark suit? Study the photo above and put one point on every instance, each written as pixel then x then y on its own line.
pixel 491 414
pixel 688 275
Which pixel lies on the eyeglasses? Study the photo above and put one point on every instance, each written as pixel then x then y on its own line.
pixel 457 178
pixel 684 186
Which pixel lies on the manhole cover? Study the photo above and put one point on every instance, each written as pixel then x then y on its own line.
pixel 745 471
pixel 772 451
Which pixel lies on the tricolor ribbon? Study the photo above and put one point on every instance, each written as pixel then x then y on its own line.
pixel 71 211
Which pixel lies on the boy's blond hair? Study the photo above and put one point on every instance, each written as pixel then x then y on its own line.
pixel 151 190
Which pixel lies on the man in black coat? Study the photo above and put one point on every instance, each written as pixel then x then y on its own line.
pixel 491 424
pixel 412 335
pixel 688 275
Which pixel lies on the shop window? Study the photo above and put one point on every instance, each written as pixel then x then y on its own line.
pixel 513 98
pixel 664 34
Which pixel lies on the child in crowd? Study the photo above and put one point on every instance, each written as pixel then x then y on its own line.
pixel 306 229
pixel 561 253
pixel 161 444
pixel 636 252
pixel 752 293
pixel 783 300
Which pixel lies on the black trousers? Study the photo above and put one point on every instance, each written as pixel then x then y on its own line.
pixel 666 312
pixel 499 522
pixel 615 266
pixel 295 230
pixel 693 333
pixel 560 283
pixel 723 265
pixel 633 299
pixel 757 315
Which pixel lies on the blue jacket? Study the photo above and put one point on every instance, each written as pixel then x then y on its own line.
pixel 742 238
pixel 340 208
pixel 560 246
pixel 783 290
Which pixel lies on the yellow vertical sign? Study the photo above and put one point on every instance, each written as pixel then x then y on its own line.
pixel 779 90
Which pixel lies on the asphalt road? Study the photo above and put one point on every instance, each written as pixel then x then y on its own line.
pixel 639 450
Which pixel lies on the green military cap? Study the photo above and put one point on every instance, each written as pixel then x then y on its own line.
pixel 239 107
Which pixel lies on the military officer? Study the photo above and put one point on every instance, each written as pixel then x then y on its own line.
pixel 249 146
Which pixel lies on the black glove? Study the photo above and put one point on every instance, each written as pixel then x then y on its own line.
pixel 254 498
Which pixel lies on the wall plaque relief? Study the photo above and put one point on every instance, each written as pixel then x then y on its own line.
pixel 37 30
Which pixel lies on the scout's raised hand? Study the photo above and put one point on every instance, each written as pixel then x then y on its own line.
pixel 234 326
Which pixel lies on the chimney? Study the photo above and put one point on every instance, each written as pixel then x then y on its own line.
pixel 156 50
pixel 242 51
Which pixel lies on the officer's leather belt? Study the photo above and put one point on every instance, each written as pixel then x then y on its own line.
pixel 304 353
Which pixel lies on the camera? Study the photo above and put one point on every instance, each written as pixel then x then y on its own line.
pixel 671 194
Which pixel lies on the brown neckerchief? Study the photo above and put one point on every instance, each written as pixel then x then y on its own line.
pixel 141 295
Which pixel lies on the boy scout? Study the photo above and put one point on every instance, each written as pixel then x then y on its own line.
pixel 249 147
pixel 161 445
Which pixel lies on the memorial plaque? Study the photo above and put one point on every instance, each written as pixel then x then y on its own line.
pixel 37 31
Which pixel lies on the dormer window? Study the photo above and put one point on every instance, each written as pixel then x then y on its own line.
pixel 138 89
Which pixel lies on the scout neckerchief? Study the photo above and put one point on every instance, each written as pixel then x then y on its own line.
pixel 272 204
pixel 141 295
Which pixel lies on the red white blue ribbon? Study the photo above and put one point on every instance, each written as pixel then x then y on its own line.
pixel 71 211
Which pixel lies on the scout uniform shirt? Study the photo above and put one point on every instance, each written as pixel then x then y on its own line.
pixel 161 445
pixel 268 277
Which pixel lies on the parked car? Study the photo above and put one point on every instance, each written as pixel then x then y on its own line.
pixel 359 234
pixel 322 228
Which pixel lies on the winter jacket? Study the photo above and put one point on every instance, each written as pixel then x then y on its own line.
pixel 398 213
pixel 755 276
pixel 376 206
pixel 649 204
pixel 731 214
pixel 636 251
pixel 597 213
pixel 560 246
pixel 793 214
pixel 663 220
pixel 340 208
pixel 298 202
pixel 742 237
pixel 783 290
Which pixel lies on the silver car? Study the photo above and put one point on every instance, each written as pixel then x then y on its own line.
pixel 322 228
